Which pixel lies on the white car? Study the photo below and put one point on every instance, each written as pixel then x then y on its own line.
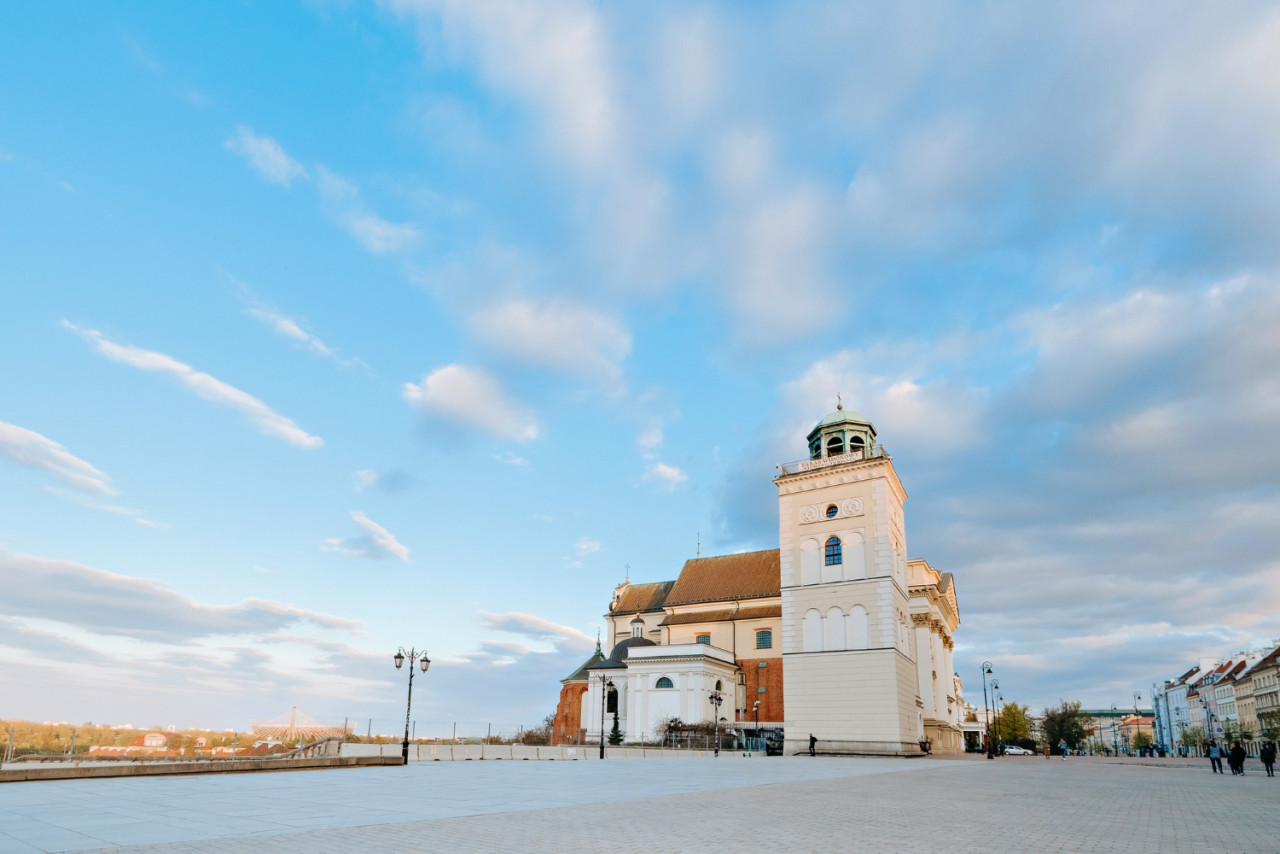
pixel 1014 750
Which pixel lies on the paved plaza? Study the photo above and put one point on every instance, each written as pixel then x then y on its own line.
pixel 777 804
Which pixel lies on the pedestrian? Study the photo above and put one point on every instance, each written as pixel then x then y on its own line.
pixel 1236 758
pixel 1046 750
pixel 1215 757
pixel 1268 757
pixel 813 744
pixel 1062 748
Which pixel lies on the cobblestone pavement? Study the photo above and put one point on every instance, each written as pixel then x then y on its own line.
pixel 794 804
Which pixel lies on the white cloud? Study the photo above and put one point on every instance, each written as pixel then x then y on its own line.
pixel 469 397
pixel 377 543
pixel 564 637
pixel 345 205
pixel 265 156
pixel 650 439
pixel 31 449
pixel 6 156
pixel 261 416
pixel 669 476
pixel 557 334
pixel 586 546
pixel 510 459
pixel 111 604
pixel 287 326
pixel 365 479
pixel 554 55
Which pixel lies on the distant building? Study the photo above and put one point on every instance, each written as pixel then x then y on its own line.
pixel 835 634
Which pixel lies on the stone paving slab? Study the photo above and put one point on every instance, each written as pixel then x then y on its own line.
pixel 792 804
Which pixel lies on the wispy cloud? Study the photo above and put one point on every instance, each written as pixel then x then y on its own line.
pixel 142 57
pixel 669 476
pixel 377 543
pixel 262 311
pixel 265 156
pixel 586 546
pixel 107 603
pixel 470 397
pixel 31 449
pixel 261 416
pixel 344 203
pixel 528 625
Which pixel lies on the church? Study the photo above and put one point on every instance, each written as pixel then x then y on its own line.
pixel 835 633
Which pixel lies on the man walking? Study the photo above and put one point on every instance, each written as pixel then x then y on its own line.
pixel 813 744
pixel 1215 757
pixel 1268 757
pixel 1062 748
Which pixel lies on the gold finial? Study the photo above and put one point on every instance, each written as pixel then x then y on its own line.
pixel 839 402
pixel 627 567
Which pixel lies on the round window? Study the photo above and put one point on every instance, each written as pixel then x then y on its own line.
pixel 832 511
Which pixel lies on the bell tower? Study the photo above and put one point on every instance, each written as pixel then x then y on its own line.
pixel 848 661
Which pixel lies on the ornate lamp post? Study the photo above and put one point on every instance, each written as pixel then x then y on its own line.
pixel 1137 722
pixel 1115 746
pixel 986 671
pixel 995 709
pixel 421 657
pixel 606 685
pixel 755 708
pixel 716 699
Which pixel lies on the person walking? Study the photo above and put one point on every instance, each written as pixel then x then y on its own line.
pixel 1268 757
pixel 1236 758
pixel 1215 757
pixel 813 744
pixel 1047 751
pixel 1062 748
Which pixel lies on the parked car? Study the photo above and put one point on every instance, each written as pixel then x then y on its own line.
pixel 1015 750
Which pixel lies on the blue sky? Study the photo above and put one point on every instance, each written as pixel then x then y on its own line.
pixel 333 327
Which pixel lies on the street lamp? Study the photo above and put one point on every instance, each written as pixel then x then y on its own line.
pixel 606 685
pixel 986 714
pixel 1115 746
pixel 424 662
pixel 995 709
pixel 755 708
pixel 716 699
pixel 1137 716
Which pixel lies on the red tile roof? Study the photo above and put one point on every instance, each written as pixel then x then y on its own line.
pixel 637 598
pixel 751 575
pixel 750 612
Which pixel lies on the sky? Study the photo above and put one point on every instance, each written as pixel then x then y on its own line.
pixel 333 327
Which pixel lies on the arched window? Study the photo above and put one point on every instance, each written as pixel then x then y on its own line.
pixel 611 703
pixel 833 630
pixel 764 639
pixel 810 572
pixel 834 553
pixel 857 629
pixel 718 685
pixel 856 443
pixel 813 630
pixel 835 446
pixel 664 682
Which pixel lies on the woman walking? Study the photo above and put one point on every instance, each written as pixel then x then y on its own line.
pixel 1236 759
pixel 1215 757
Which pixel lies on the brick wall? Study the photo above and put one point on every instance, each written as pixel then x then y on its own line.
pixel 770 678
pixel 568 720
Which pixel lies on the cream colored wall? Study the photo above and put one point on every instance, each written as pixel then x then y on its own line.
pixel 865 699
pixel 737 636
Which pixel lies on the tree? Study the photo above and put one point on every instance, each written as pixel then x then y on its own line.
pixel 1193 736
pixel 540 734
pixel 1013 724
pixel 1269 723
pixel 1064 723
pixel 1141 741
pixel 615 734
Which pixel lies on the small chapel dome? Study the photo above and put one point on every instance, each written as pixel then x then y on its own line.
pixel 841 432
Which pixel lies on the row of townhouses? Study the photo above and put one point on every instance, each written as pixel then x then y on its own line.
pixel 1236 698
